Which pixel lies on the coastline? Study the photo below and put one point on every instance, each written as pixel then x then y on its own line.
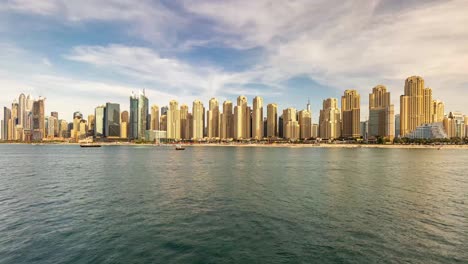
pixel 256 145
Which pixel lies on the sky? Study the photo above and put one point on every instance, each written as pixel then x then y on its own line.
pixel 80 54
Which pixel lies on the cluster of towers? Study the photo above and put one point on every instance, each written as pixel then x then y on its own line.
pixel 420 116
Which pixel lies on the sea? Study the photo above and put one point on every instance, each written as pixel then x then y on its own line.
pixel 148 204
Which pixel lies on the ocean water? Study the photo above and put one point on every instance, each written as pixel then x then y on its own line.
pixel 129 204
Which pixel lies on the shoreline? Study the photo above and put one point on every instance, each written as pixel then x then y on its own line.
pixel 255 145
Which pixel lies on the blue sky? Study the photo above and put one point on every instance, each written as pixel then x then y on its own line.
pixel 81 54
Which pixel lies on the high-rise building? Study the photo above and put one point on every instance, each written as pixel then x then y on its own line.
pixel 280 127
pixel 163 123
pixel 257 118
pixel 197 120
pixel 91 124
pixel 305 124
pixel 450 125
pixel 184 132
pixel 381 114
pixel 6 134
pixel 397 125
pixel 466 126
pixel 143 111
pixel 213 119
pixel 365 129
pixel 56 123
pixel 272 120
pixel 51 126
pixel 99 121
pixel 416 105
pixel 315 130
pixel 112 120
pixel 291 127
pixel 154 117
pixel 124 124
pixel 227 121
pixel 76 131
pixel 21 110
pixel 38 119
pixel 330 120
pixel 63 129
pixel 173 120
pixel 438 111
pixel 133 117
pixel 241 119
pixel 351 114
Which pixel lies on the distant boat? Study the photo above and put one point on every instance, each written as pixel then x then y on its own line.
pixel 88 145
pixel 179 147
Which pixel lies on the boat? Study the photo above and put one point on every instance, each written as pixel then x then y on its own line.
pixel 179 147
pixel 88 145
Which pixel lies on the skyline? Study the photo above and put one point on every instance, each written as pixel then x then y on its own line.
pixel 76 53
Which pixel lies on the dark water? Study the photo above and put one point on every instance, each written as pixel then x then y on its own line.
pixel 64 204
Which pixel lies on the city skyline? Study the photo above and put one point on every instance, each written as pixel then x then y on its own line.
pixel 421 115
pixel 186 50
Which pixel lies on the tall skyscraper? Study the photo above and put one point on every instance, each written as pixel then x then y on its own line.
pixel 227 121
pixel 415 105
pixel 305 124
pixel 197 120
pixel 14 120
pixel 241 119
pixel 6 134
pixel 51 126
pixel 124 124
pixel 330 120
pixel 173 121
pixel 21 110
pixel 184 125
pixel 143 111
pixel 397 125
pixel 272 120
pixel 290 124
pixel 99 121
pixel 38 119
pixel 381 114
pixel 351 114
pixel 112 120
pixel 133 117
pixel 154 117
pixel 91 124
pixel 466 126
pixel 438 111
pixel 213 119
pixel 257 118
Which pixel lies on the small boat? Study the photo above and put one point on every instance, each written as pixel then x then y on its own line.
pixel 87 145
pixel 179 147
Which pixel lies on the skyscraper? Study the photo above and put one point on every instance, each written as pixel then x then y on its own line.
pixel 241 119
pixel 466 126
pixel 415 105
pixel 272 120
pixel 133 117
pixel 99 121
pixel 197 120
pixel 51 126
pixel 305 124
pixel 6 123
pixel 124 124
pixel 112 120
pixel 351 114
pixel 213 119
pixel 227 121
pixel 330 120
pixel 38 119
pixel 290 124
pixel 173 120
pixel 143 111
pixel 397 125
pixel 438 111
pixel 21 110
pixel 381 114
pixel 154 117
pixel 257 118
pixel 184 125
pixel 56 123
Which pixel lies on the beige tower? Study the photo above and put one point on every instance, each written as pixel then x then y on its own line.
pixel 227 121
pixel 197 120
pixel 272 120
pixel 381 114
pixel 466 126
pixel 173 120
pixel 184 133
pixel 305 124
pixel 154 125
pixel 438 111
pixel 290 124
pixel 241 118
pixel 415 105
pixel 330 120
pixel 257 118
pixel 213 119
pixel 351 114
